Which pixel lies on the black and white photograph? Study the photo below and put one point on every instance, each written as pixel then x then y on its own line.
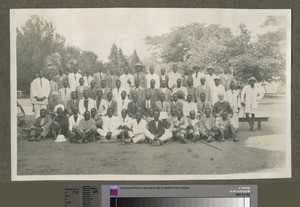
pixel 150 94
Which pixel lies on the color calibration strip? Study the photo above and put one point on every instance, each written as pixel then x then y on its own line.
pixel 179 202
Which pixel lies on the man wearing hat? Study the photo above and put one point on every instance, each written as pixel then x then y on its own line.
pixel 210 76
pixel 216 89
pixel 250 96
pixel 197 76
pixel 140 75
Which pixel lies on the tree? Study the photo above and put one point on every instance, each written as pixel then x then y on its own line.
pixel 113 57
pixel 133 59
pixel 122 61
pixel 37 41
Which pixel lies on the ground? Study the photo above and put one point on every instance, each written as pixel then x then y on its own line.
pixel 250 154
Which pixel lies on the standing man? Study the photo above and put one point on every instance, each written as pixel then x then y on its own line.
pixel 191 90
pixel 140 75
pixel 111 79
pixel 203 88
pixel 226 78
pixel 64 93
pixel 40 90
pixel 122 103
pixel 154 92
pixel 105 90
pixel 87 78
pixel 233 97
pixel 216 89
pixel 210 77
pixel 99 76
pixel 250 97
pixel 127 80
pixel 197 76
pixel 173 77
pixel 86 104
pixel 73 77
pixel 93 90
pixel 116 92
pixel 163 77
pixel 60 78
pixel 152 76
pixel 179 88
pixel 166 91
pixel 189 105
pixel 137 89
pixel 79 89
pixel 52 83
pixel 133 106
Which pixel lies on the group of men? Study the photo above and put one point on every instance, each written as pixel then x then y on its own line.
pixel 141 107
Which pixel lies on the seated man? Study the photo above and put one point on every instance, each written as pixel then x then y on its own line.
pixel 133 106
pixel 221 105
pixel 41 126
pixel 101 104
pixel 162 104
pixel 202 104
pixel 158 128
pixel 86 103
pixel 139 130
pixel 147 104
pixel 154 92
pixel 175 103
pixel 72 103
pixel 180 88
pixel 150 115
pixel 85 132
pixel 206 126
pixel 192 130
pixel 53 102
pixel 166 91
pixel 225 127
pixel 60 124
pixel 125 125
pixel 97 118
pixel 74 122
pixel 110 127
pixel 179 126
pixel 122 102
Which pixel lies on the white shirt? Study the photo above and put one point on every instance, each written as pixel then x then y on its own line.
pixel 73 80
pixel 110 123
pixel 117 93
pixel 187 107
pixel 210 80
pixel 72 121
pixel 91 104
pixel 215 90
pixel 138 128
pixel 64 94
pixel 124 78
pixel 87 80
pixel 103 106
pixel 196 80
pixel 125 121
pixel 233 97
pixel 250 96
pixel 122 104
pixel 173 78
pixel 155 77
pixel 183 89
pixel 39 87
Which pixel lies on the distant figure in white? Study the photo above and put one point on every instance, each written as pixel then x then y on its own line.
pixel 250 96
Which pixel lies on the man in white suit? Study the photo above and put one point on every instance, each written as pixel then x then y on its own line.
pixel 250 96
pixel 86 104
pixel 110 126
pixel 73 78
pixel 74 121
pixel 39 92
pixel 233 97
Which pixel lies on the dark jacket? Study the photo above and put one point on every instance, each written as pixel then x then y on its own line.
pixel 159 130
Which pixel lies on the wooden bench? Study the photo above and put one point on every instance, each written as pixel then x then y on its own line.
pixel 258 119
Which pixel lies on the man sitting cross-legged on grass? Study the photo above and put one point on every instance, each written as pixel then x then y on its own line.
pixel 74 123
pixel 225 127
pixel 110 127
pixel 158 128
pixel 85 131
pixel 206 126
pixel 60 123
pixel 125 125
pixel 192 129
pixel 178 127
pixel 41 126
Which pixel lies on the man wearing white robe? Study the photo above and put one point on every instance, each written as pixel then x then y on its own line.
pixel 233 97
pixel 153 76
pixel 73 78
pixel 216 89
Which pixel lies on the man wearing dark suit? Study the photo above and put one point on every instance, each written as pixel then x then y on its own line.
pixel 158 129
pixel 79 89
pixel 72 103
pixel 41 127
pixel 175 103
pixel 162 105
pixel 147 103
pixel 93 90
pixel 134 106
pixel 112 104
pixel 202 104
pixel 111 79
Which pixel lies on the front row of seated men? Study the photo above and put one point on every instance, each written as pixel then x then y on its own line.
pixel 90 126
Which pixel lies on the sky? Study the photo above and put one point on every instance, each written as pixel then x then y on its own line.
pixel 97 29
